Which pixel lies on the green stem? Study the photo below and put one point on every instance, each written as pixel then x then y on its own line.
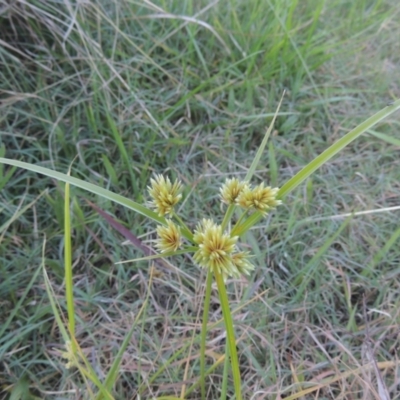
pixel 184 227
pixel 68 267
pixel 224 387
pixel 240 229
pixel 237 225
pixel 204 334
pixel 223 297
pixel 227 216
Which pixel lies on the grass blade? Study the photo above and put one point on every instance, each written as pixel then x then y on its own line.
pixel 24 294
pixel 114 370
pixel 381 253
pixel 90 187
pixel 53 300
pixel 260 150
pixel 301 176
pixel 69 293
pixel 384 137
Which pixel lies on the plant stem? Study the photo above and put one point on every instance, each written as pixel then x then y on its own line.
pixel 224 385
pixel 237 225
pixel 229 332
pixel 240 229
pixel 204 334
pixel 187 233
pixel 227 216
pixel 68 266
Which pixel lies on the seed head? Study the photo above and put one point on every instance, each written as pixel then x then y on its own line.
pixel 241 262
pixel 199 233
pixel 215 248
pixel 165 195
pixel 69 355
pixel 169 237
pixel 260 198
pixel 231 190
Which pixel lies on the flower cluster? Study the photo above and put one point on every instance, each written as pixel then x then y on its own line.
pixel 259 198
pixel 69 355
pixel 169 237
pixel 216 249
pixel 165 195
pixel 262 199
pixel 231 190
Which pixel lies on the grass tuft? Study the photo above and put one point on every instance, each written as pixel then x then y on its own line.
pixel 188 88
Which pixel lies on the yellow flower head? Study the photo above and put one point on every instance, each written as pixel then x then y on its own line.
pixel 260 198
pixel 215 248
pixel 231 190
pixel 199 233
pixel 169 237
pixel 165 195
pixel 241 262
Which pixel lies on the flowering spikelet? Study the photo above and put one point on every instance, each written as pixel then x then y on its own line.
pixel 69 355
pixel 215 248
pixel 169 237
pixel 165 195
pixel 260 198
pixel 202 227
pixel 231 190
pixel 241 262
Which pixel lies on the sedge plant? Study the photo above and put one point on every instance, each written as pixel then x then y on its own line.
pixel 213 244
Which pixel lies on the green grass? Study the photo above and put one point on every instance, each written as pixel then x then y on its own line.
pixel 184 87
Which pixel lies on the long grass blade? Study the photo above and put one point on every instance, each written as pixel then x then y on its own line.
pixel 261 149
pixel 55 307
pixel 320 160
pixel 90 187
pixel 386 138
pixel 69 293
pixel 113 372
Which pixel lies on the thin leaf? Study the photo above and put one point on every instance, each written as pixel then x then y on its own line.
pixel 307 272
pixel 90 187
pixel 18 213
pixel 158 256
pixel 384 137
pixel 16 308
pixel 53 302
pixel 114 370
pixel 69 285
pixel 301 176
pixel 260 150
